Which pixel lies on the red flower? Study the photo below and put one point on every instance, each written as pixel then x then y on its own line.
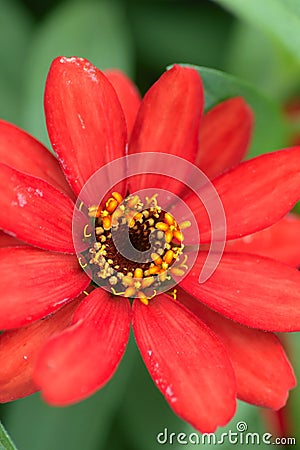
pixel 199 358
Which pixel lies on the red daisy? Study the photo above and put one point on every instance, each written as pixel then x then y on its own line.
pixel 203 348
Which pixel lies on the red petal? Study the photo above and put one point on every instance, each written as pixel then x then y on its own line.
pixel 34 211
pixel 280 241
pixel 262 370
pixel 186 361
pixel 9 241
pixel 84 117
pixel 34 283
pixel 24 153
pixel 256 194
pixel 80 360
pixel 168 121
pixel 225 136
pixel 128 95
pixel 19 349
pixel 253 290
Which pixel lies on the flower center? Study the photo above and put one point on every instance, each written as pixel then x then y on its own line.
pixel 138 246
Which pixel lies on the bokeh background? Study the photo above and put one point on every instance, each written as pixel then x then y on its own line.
pixel 256 42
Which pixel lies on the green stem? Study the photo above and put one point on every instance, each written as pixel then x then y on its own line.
pixel 5 441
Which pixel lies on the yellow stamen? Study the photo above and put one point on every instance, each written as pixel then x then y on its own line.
pixel 143 298
pixel 85 233
pixel 116 293
pixel 81 263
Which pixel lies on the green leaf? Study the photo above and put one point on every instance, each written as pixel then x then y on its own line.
pixel 37 426
pixel 14 36
pixel 279 19
pixel 170 31
pixel 94 30
pixel 5 441
pixel 270 132
pixel 253 56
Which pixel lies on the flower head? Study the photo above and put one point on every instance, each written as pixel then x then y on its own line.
pixel 204 344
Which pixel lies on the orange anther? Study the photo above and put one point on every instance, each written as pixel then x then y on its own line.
pixel 138 273
pixel 156 259
pixel 178 235
pixel 117 196
pixel 162 226
pixel 143 298
pixel 169 219
pixel 169 256
pixel 152 271
pixel 106 222
pixel 168 236
pixel 111 205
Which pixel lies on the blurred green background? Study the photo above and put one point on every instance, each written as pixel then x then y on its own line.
pixel 256 42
